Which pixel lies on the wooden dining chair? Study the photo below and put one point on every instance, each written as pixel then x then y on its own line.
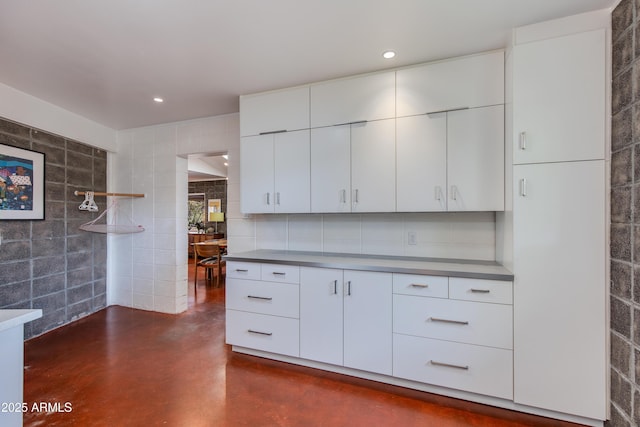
pixel 209 257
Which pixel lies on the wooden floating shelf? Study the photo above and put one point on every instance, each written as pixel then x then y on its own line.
pixel 82 193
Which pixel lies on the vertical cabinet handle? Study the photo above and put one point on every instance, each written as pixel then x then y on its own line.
pixel 522 140
pixel 268 199
pixel 355 197
pixel 343 196
pixel 335 287
pixel 454 192
pixel 348 288
pixel 278 198
pixel 523 187
pixel 438 193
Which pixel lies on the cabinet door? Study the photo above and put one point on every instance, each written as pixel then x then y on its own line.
pixel 559 99
pixel 370 97
pixel 373 166
pixel 475 168
pixel 421 164
pixel 256 174
pixel 292 172
pixel 321 315
pixel 560 290
pixel 473 81
pixel 331 169
pixel 367 321
pixel 274 111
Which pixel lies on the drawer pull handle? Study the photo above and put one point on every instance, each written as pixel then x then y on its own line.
pixel 457 322
pixel 239 270
pixel 276 273
pixel 480 291
pixel 251 331
pixel 449 365
pixel 419 285
pixel 260 298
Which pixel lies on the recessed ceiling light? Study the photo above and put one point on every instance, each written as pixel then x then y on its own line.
pixel 388 54
pixel 226 164
pixel 158 99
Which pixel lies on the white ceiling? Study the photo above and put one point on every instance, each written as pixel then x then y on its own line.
pixel 203 167
pixel 106 60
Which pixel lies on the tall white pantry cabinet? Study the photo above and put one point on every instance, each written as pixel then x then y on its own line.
pixel 559 191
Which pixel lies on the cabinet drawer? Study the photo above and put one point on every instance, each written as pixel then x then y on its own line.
pixel 262 332
pixel 281 273
pixel 460 321
pixel 420 285
pixel 495 291
pixel 466 367
pixel 278 299
pixel 243 270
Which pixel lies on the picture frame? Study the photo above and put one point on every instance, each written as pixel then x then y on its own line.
pixel 21 184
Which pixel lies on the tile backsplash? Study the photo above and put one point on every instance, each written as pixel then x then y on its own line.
pixel 464 235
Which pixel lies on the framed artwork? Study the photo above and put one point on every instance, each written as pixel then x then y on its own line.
pixel 21 184
pixel 214 211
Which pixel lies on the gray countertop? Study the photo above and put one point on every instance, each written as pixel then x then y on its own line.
pixel 490 270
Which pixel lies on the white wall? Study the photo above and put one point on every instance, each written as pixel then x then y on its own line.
pixel 23 108
pixel 148 270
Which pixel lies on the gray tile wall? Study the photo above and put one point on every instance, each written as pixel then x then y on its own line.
pixel 51 264
pixel 625 216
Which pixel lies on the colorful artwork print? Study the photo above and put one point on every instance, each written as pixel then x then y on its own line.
pixel 16 187
pixel 21 184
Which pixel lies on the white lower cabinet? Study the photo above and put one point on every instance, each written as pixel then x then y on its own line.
pixel 560 297
pixel 321 320
pixel 463 321
pixel 274 334
pixel 464 344
pixel 473 368
pixel 345 318
pixel 443 331
pixel 262 302
pixel 367 321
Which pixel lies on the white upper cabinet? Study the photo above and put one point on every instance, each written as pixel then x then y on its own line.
pixel 559 99
pixel 475 159
pixel 451 161
pixel 283 110
pixel 468 82
pixel 373 166
pixel 421 149
pixel 369 97
pixel 331 169
pixel 275 173
pixel 292 172
pixel 353 167
pixel 256 174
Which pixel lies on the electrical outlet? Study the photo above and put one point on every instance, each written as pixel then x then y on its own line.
pixel 413 238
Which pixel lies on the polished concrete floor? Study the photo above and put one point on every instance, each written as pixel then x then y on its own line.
pixel 125 367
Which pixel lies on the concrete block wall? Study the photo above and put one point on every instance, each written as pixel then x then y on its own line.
pixel 51 264
pixel 625 216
